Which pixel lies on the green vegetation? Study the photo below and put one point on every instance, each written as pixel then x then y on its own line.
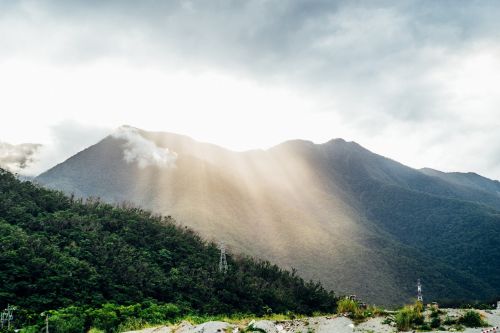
pixel 409 317
pixel 413 317
pixel 357 312
pixel 472 318
pixel 348 306
pixel 61 253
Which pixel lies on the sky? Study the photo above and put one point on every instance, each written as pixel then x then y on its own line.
pixel 416 81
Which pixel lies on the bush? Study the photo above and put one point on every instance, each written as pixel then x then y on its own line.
pixel 352 308
pixel 347 305
pixel 105 318
pixel 67 320
pixel 409 316
pixel 435 322
pixel 29 329
pixel 404 318
pixel 425 327
pixel 471 319
pixel 449 321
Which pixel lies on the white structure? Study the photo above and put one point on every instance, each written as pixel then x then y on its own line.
pixel 7 316
pixel 498 305
pixel 419 292
pixel 223 260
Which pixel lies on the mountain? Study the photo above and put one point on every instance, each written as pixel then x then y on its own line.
pixel 357 221
pixel 63 252
pixel 470 180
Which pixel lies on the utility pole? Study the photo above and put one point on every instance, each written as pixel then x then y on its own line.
pixel 222 260
pixel 419 292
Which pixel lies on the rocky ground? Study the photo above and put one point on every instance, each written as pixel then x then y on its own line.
pixel 336 324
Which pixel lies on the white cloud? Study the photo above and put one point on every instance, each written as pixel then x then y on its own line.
pixel 144 152
pixel 406 79
pixel 16 158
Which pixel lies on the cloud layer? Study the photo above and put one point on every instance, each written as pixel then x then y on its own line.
pixel 413 80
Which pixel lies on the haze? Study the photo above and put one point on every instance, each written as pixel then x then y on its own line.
pixel 414 81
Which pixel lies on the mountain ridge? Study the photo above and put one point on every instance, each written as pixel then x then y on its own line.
pixel 335 211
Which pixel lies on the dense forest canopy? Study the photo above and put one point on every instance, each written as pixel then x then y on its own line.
pixel 57 251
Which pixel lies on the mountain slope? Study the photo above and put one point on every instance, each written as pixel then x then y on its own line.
pixel 358 221
pixel 58 252
pixel 469 180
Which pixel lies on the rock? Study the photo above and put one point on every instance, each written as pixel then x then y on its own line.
pixel 208 327
pixel 161 329
pixel 267 325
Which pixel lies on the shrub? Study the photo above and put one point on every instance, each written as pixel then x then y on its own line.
pixel 29 329
pixel 471 319
pixel 425 327
pixel 449 321
pixel 409 316
pixel 67 320
pixel 105 318
pixel 435 322
pixel 349 306
pixel 404 318
pixel 434 313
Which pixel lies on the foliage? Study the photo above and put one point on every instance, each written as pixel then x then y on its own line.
pixel 357 312
pixel 409 316
pixel 449 321
pixel 457 237
pixel 58 252
pixel 347 305
pixel 435 322
pixel 472 318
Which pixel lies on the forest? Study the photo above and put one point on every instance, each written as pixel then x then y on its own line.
pixel 85 256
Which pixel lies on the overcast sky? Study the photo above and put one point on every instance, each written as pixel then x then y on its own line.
pixel 416 81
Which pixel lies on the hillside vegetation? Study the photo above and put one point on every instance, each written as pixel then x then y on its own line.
pixel 358 222
pixel 57 251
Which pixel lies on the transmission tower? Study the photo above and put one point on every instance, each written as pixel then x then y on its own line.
pixel 223 260
pixel 419 292
pixel 7 316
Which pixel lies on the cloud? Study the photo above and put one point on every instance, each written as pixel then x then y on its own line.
pixel 18 157
pixel 389 74
pixel 144 152
pixel 362 58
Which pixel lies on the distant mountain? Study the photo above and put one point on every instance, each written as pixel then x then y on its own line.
pixel 470 180
pixel 359 222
